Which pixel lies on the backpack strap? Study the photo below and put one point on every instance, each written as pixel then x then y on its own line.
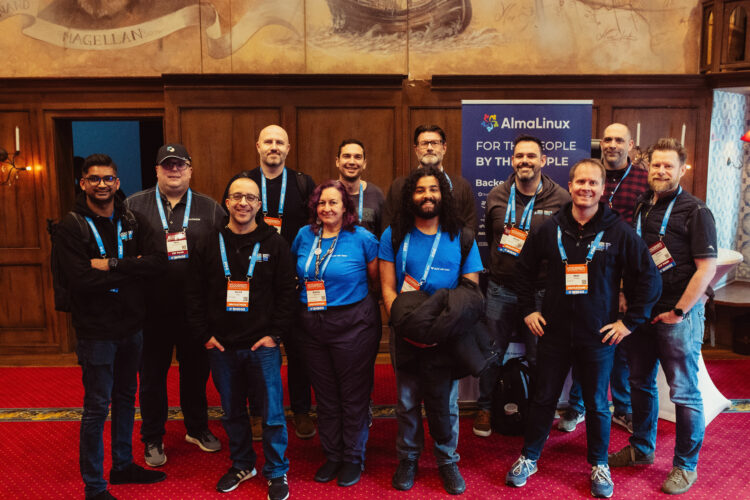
pixel 467 241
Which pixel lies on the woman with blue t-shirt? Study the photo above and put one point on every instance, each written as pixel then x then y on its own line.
pixel 341 319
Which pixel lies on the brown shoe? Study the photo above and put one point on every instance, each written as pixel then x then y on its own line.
pixel 679 481
pixel 629 456
pixel 482 427
pixel 303 426
pixel 256 424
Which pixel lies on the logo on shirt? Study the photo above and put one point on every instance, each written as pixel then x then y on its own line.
pixel 126 235
pixel 602 247
pixel 262 257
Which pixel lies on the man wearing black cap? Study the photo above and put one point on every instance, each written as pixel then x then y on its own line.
pixel 180 217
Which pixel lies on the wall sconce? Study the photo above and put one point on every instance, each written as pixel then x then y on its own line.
pixel 5 158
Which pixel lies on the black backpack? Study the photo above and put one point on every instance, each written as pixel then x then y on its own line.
pixel 510 399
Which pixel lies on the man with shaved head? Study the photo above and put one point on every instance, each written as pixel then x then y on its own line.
pixel 284 193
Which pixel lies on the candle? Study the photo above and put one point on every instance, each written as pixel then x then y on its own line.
pixel 18 140
pixel 682 138
pixel 638 135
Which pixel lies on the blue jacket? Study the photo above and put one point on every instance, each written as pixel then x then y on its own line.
pixel 621 255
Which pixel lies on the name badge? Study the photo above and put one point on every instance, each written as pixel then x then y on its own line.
pixel 576 279
pixel 512 241
pixel 410 284
pixel 316 296
pixel 274 222
pixel 238 296
pixel 177 247
pixel 662 258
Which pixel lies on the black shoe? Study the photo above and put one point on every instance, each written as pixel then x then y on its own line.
pixel 406 471
pixel 349 474
pixel 233 478
pixel 104 495
pixel 278 488
pixel 453 483
pixel 135 474
pixel 327 472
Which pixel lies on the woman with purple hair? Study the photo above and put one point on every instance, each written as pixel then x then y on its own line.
pixel 336 264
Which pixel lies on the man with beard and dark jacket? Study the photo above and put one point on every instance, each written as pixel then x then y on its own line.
pixel 521 203
pixel 105 252
pixel 241 299
pixel 589 251
pixel 422 250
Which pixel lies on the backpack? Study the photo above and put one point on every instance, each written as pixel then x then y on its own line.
pixel 510 398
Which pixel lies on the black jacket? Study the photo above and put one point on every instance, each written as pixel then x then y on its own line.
pixel 96 312
pixel 272 288
pixel 622 255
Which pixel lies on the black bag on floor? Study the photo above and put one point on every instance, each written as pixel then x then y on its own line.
pixel 510 399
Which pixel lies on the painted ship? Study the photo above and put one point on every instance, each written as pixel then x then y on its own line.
pixel 437 18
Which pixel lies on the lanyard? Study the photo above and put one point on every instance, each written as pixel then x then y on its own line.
pixel 510 210
pixel 448 179
pixel 663 229
pixel 429 259
pixel 612 195
pixel 225 262
pixel 282 195
pixel 589 256
pixel 102 251
pixel 361 201
pixel 315 250
pixel 185 219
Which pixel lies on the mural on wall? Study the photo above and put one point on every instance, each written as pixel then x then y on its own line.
pixel 416 37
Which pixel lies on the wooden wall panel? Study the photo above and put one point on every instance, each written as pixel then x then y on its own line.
pixel 23 306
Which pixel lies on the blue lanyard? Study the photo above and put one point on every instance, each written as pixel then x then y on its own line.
pixel 612 195
pixel 589 256
pixel 185 219
pixel 225 262
pixel 510 210
pixel 361 200
pixel 663 229
pixel 282 195
pixel 315 246
pixel 429 259
pixel 102 250
pixel 448 179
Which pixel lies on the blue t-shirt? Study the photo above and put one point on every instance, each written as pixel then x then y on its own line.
pixel 346 275
pixel 444 272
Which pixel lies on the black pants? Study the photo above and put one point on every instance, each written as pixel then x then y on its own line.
pixel 159 340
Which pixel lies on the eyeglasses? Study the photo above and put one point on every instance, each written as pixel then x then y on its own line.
pixel 237 197
pixel 424 144
pixel 94 180
pixel 175 165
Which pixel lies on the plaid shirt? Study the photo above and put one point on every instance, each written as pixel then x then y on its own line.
pixel 623 201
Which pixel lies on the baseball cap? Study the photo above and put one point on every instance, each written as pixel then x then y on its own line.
pixel 172 151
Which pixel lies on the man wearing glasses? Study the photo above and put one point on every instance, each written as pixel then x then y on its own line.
pixel 178 217
pixel 430 146
pixel 107 252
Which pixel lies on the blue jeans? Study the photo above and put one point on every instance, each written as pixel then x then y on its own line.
pixel 593 365
pixel 503 319
pixel 618 385
pixel 678 348
pixel 109 373
pixel 410 438
pixel 235 374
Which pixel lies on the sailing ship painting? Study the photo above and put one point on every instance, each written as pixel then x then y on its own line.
pixel 434 18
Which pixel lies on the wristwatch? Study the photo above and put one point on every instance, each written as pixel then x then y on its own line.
pixel 112 263
pixel 678 312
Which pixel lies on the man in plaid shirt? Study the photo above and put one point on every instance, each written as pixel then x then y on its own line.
pixel 626 181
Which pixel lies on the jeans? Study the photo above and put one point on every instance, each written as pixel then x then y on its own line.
pixel 593 365
pixel 618 385
pixel 678 348
pixel 159 340
pixel 109 373
pixel 235 373
pixel 410 438
pixel 503 319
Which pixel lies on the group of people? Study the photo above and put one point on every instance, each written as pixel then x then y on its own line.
pixel 607 275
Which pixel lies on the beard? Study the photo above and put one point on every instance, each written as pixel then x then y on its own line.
pixel 662 186
pixel 419 211
pixel 101 201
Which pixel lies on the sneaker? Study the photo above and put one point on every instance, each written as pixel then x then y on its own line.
pixel 327 472
pixel 629 456
pixel 453 482
pixel 482 427
pixel 303 426
pixel 520 472
pixel 349 474
pixel 601 482
pixel 154 455
pixel 104 495
pixel 569 419
pixel 278 488
pixel 206 441
pixel 233 478
pixel 624 420
pixel 256 425
pixel 679 481
pixel 403 479
pixel 135 474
